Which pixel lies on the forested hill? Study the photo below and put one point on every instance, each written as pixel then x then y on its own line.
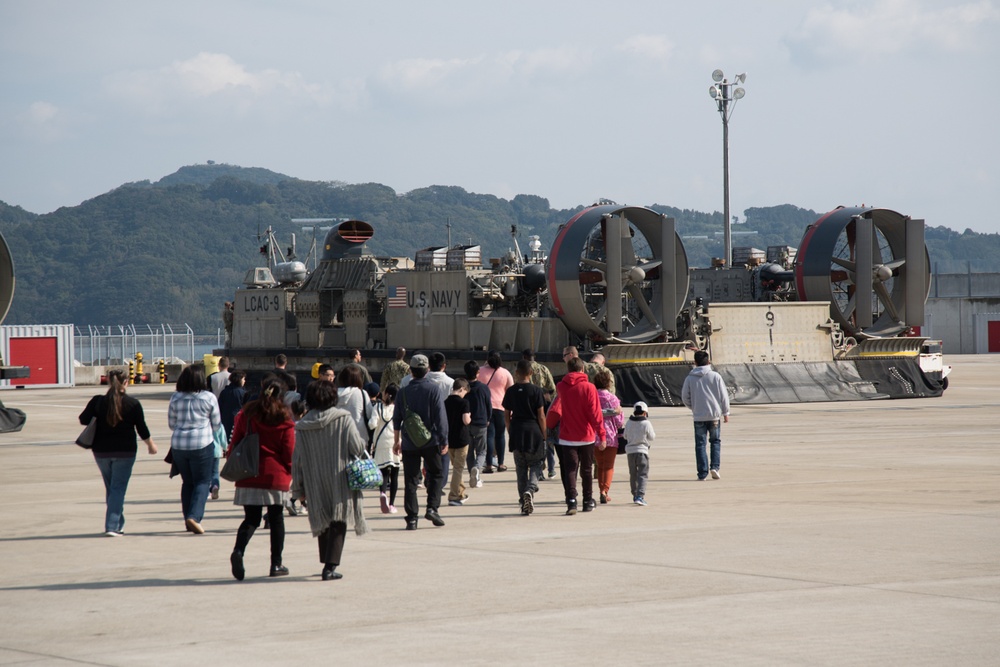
pixel 173 251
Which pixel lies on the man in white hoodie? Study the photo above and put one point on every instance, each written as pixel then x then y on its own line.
pixel 705 393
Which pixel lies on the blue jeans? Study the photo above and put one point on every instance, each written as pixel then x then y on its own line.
pixel 709 431
pixel 195 468
pixel 116 473
pixel 496 438
pixel 477 447
pixel 216 480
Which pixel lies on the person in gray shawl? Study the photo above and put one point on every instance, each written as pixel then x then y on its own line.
pixel 325 440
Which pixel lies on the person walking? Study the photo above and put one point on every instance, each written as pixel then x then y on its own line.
pixel 351 396
pixel 119 417
pixel 459 417
pixel 271 420
pixel 387 462
pixel 611 409
pixel 498 380
pixel 639 436
pixel 704 392
pixel 395 371
pixel 577 413
pixel 193 416
pixel 423 399
pixel 480 411
pixel 325 441
pixel 231 401
pixel 524 415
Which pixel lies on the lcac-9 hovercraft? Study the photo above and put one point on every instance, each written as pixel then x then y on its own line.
pixel 832 321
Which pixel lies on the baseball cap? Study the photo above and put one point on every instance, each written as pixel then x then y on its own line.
pixel 419 361
pixel 641 407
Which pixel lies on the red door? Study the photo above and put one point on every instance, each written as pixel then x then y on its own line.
pixel 39 355
pixel 993 336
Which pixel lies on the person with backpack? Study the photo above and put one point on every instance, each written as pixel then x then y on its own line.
pixel 421 437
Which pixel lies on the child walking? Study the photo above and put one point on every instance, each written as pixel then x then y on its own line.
pixel 639 435
pixel 381 425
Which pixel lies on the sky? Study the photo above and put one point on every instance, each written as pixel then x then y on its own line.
pixel 883 103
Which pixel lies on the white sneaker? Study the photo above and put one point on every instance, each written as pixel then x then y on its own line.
pixel 113 533
pixel 715 474
pixel 475 478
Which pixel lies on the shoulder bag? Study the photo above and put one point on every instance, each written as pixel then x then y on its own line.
pixel 243 461
pixel 86 438
pixel 414 427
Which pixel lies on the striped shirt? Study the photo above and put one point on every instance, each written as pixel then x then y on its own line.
pixel 193 418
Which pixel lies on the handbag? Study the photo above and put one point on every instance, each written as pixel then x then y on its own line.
pixel 621 441
pixel 86 438
pixel 243 461
pixel 414 427
pixel 362 473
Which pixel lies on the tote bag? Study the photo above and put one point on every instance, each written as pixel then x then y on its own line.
pixel 362 473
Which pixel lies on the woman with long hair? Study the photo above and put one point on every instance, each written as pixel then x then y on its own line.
pixel 119 418
pixel 270 418
pixel 351 396
pixel 193 416
pixel 386 460
pixel 326 439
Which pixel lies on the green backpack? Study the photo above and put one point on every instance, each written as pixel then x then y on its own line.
pixel 413 425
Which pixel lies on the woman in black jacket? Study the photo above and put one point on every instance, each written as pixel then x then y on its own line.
pixel 119 418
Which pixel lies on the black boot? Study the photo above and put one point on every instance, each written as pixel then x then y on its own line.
pixel 330 573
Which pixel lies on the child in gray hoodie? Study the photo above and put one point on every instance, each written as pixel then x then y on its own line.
pixel 639 436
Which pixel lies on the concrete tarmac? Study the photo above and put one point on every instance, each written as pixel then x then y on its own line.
pixel 840 534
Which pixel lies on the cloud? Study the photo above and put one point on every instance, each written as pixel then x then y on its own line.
pixel 477 79
pixel 650 47
pixel 43 121
pixel 829 34
pixel 219 78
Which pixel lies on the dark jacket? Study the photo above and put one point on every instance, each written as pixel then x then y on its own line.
pixel 231 401
pixel 119 441
pixel 480 403
pixel 424 398
pixel 277 443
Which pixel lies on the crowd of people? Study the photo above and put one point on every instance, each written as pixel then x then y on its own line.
pixel 419 419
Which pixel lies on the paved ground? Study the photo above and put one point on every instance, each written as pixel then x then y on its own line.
pixel 848 533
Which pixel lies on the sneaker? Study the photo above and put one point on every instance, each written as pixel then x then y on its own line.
pixel 392 509
pixel 474 479
pixel 589 505
pixel 290 506
pixel 570 507
pixel 715 474
pixel 383 501
pixel 527 503
pixel 488 470
pixel 640 501
pixel 215 492
pixel 456 503
pixel 114 533
pixel 552 475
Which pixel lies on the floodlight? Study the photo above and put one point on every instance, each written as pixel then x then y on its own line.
pixel 713 91
pixel 717 75
pixel 742 77
pixel 739 93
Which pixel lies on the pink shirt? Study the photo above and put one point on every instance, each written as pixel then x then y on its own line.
pixel 497 385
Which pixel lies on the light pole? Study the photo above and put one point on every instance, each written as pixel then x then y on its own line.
pixel 725 95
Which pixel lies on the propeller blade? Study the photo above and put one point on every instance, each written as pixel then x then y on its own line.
pixel 883 295
pixel 640 300
pixel 847 264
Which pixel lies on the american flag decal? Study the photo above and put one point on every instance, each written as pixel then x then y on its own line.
pixel 397 297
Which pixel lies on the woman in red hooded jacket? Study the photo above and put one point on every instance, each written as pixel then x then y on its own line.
pixel 270 419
